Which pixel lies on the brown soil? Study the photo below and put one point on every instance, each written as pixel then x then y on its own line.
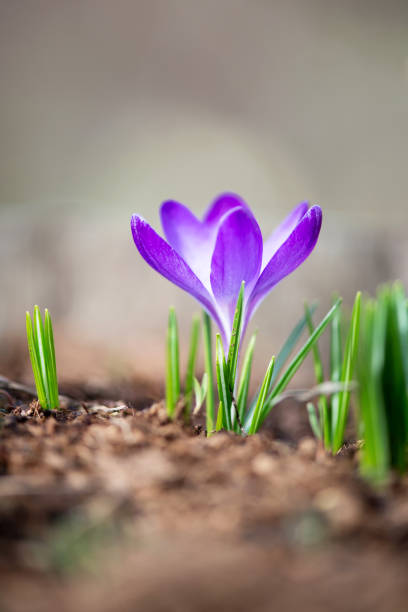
pixel 107 508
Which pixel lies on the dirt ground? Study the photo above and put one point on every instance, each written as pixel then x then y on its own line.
pixel 107 506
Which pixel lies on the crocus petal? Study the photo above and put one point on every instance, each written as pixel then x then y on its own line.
pixel 237 257
pixel 165 260
pixel 191 238
pixel 222 205
pixel 296 248
pixel 281 233
pixel 179 225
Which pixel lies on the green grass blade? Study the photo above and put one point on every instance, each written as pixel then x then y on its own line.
pixel 402 322
pixel 42 352
pixel 204 386
pixel 335 364
pixel 197 393
pixel 257 417
pixel 192 358
pixel 220 418
pixel 51 365
pixel 394 381
pixel 35 363
pixel 200 392
pixel 210 408
pixel 223 384
pixel 314 420
pixel 299 358
pixel 172 365
pixel 347 370
pixel 401 315
pixel 319 375
pixel 374 456
pixel 245 378
pixel 235 339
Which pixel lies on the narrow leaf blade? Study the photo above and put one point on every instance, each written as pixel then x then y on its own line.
pixel 223 384
pixel 257 416
pixel 192 357
pixel 347 374
pixel 318 368
pixel 374 456
pixel 313 420
pixel 52 366
pixel 220 418
pixel 335 364
pixel 235 339
pixel 394 381
pixel 244 382
pixel 42 352
pixel 172 365
pixel 210 408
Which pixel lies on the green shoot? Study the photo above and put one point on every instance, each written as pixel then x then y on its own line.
pixel 233 412
pixel 200 392
pixel 210 408
pixel 223 380
pixel 192 357
pixel 260 403
pixel 324 414
pixel 243 387
pixel 395 381
pixel 220 418
pixel 375 454
pixel 331 419
pixel 235 339
pixel 40 340
pixel 383 381
pixel 172 365
pixel 347 370
pixel 314 420
pixel 336 359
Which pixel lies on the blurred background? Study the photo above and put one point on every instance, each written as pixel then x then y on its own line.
pixel 109 108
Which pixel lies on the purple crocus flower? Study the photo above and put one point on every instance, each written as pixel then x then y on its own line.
pixel 210 258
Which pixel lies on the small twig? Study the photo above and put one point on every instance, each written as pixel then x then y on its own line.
pixel 101 408
pixel 9 398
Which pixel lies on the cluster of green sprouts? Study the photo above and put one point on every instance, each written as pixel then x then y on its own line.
pixel 371 347
pixel 328 423
pixel 383 383
pixel 234 410
pixel 40 340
